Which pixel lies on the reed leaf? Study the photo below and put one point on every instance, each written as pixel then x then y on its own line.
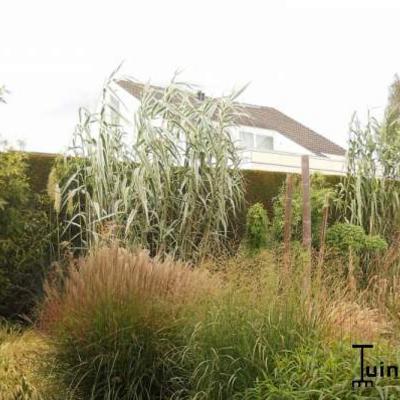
pixel 177 189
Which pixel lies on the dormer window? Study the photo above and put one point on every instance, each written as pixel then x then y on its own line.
pixel 255 141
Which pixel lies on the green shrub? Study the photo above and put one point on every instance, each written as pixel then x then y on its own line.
pixel 262 187
pixel 343 237
pixel 24 238
pixel 256 227
pixel 375 244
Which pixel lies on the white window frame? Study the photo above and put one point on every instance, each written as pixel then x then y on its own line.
pixel 254 135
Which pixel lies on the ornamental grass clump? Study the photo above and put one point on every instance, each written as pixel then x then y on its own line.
pixel 127 326
pixel 26 371
pixel 118 320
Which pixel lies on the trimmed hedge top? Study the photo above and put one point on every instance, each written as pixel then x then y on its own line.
pixel 260 186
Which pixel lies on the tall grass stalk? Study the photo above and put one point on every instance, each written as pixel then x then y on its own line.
pixel 176 190
pixel 369 194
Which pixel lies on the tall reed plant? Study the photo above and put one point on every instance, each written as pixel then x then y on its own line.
pixel 369 194
pixel 177 189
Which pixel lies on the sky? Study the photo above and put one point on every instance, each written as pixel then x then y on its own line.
pixel 318 61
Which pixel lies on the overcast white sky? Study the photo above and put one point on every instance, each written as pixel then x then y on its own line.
pixel 316 60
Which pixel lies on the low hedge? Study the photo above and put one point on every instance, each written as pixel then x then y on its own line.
pixel 260 186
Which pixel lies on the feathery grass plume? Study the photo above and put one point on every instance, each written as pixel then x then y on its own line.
pixel 52 180
pixel 118 322
pixel 57 198
pixel 177 190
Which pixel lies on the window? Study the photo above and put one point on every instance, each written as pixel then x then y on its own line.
pixel 264 142
pixel 256 141
pixel 247 139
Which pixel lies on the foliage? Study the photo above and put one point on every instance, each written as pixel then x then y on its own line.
pixel 375 244
pixel 25 356
pixel 177 190
pixel 296 377
pixel 256 227
pixel 24 234
pixel 344 237
pixel 119 323
pixel 127 326
pixel 321 192
pixel 369 195
pixel 14 184
pixel 39 168
pixel 393 105
pixel 192 337
pixel 262 187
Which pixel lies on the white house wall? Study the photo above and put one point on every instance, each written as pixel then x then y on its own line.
pixel 281 143
pixel 285 157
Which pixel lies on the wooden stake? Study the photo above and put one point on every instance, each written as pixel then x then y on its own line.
pixel 322 234
pixel 305 178
pixel 288 224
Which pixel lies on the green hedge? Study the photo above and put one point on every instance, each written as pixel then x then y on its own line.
pixel 39 167
pixel 261 186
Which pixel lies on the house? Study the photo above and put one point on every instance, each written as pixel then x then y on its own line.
pixel 271 140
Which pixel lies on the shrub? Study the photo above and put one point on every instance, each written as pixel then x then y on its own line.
pixel 343 237
pixel 375 244
pixel 24 238
pixel 256 227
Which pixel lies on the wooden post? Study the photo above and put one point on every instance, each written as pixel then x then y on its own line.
pixel 288 225
pixel 305 179
pixel 351 279
pixel 322 235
